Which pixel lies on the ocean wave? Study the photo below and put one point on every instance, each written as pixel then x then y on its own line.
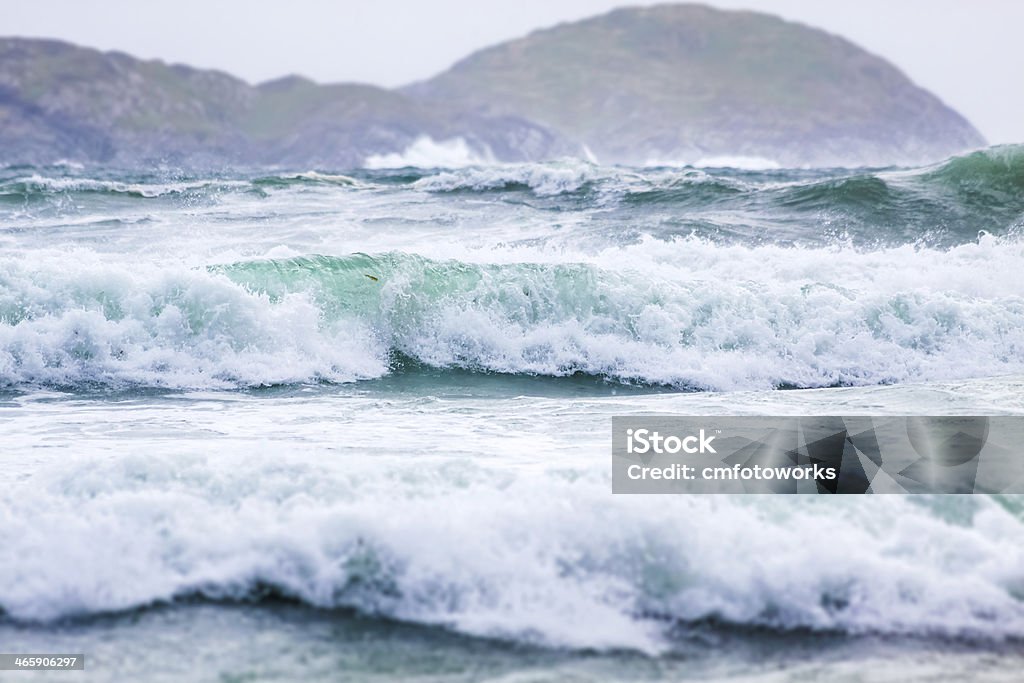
pixel 306 178
pixel 941 205
pixel 981 191
pixel 691 189
pixel 37 185
pixel 944 204
pixel 686 313
pixel 544 180
pixel 996 169
pixel 488 552
pixel 74 324
pixel 977 185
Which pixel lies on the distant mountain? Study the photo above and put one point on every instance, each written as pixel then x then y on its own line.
pixel 59 101
pixel 676 83
pixel 682 82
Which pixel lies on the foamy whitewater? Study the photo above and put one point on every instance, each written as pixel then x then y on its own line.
pixel 347 409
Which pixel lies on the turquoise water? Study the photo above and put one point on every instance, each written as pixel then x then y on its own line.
pixel 279 426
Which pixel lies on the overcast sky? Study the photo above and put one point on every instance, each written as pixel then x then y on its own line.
pixel 965 51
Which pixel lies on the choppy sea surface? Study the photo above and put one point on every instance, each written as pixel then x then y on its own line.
pixel 355 425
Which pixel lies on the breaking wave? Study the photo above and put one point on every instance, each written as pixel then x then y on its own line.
pixel 488 552
pixel 425 152
pixel 687 313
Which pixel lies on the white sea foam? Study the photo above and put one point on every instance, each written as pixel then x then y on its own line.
pixel 533 555
pixel 688 313
pixel 40 183
pixel 570 176
pixel 548 179
pixel 80 321
pixel 425 152
pixel 69 163
pixel 328 178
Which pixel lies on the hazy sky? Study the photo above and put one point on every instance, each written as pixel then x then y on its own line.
pixel 965 51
